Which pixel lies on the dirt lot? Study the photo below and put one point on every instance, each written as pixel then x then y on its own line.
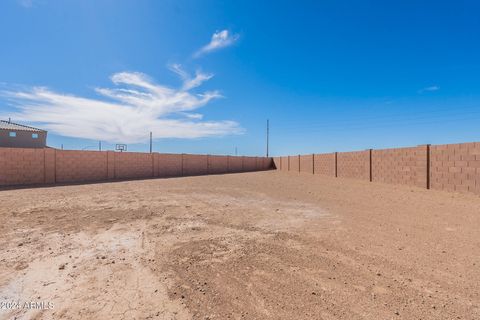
pixel 241 246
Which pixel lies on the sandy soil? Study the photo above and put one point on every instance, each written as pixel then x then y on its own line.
pixel 241 246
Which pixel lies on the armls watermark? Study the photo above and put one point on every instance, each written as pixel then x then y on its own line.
pixel 25 305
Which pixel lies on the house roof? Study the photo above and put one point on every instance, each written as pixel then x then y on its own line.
pixel 7 125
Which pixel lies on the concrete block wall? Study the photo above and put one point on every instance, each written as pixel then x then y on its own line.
pixel 194 164
pixel 277 163
pixel 235 164
pixel 169 165
pixel 325 164
pixel 406 166
pixel 452 167
pixel 284 164
pixel 354 165
pixel 218 164
pixel 78 166
pixel 306 163
pixel 133 165
pixel 20 166
pixel 287 163
pixel 455 167
pixel 267 163
pixel 49 165
pixel 294 163
pixel 259 163
pixel 111 164
pixel 249 163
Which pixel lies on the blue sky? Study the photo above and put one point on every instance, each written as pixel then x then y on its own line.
pixel 205 75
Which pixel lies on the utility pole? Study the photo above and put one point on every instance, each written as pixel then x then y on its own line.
pixel 236 151
pixel 99 145
pixel 150 141
pixel 268 133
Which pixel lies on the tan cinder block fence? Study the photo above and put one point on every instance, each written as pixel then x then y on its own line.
pixel 19 166
pixel 452 167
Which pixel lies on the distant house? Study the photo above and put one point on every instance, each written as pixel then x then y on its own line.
pixel 14 135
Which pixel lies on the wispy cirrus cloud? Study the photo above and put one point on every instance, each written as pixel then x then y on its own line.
pixel 188 81
pixel 220 39
pixel 429 89
pixel 125 113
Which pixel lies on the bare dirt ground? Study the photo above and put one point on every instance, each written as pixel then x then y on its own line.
pixel 241 246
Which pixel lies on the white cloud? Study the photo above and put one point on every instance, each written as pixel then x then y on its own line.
pixel 197 116
pixel 220 39
pixel 429 89
pixel 188 81
pixel 125 113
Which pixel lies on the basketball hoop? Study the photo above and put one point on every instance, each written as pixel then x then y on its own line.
pixel 121 147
